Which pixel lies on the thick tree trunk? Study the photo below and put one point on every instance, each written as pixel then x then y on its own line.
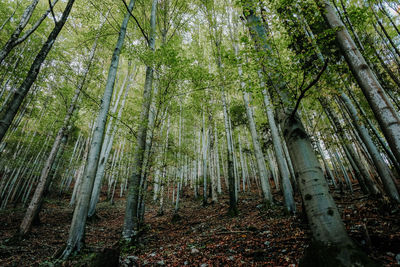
pixel 384 111
pixel 328 230
pixel 324 219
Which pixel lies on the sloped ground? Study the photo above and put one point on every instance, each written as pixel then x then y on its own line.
pixel 204 235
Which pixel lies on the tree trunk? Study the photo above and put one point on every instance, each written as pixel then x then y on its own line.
pixel 280 157
pixel 383 170
pixel 233 210
pixel 105 152
pixel 323 216
pixel 324 219
pixel 384 111
pixel 365 176
pixel 204 153
pixel 21 25
pixel 77 230
pixel 130 227
pixel 11 110
pixel 44 181
pixel 262 169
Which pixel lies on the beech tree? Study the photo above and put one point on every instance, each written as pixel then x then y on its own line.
pixel 154 105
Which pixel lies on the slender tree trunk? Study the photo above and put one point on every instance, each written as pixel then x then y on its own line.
pixel 217 160
pixel 77 230
pixel 279 155
pixel 262 169
pixel 365 176
pixel 233 210
pixel 9 113
pixel 204 153
pixel 35 205
pixel 383 170
pixel 244 178
pixel 20 27
pixel 376 133
pixel 385 32
pixel 130 227
pixel 16 40
pixel 213 169
pixel 105 152
pixel 9 18
pixel 383 9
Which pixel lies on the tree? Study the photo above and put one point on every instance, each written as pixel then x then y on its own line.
pixel 77 229
pixel 7 116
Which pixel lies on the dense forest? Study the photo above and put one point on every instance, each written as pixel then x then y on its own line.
pixel 200 133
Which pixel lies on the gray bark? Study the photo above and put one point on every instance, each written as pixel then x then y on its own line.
pixel 383 170
pixel 130 227
pixel 279 155
pixel 262 169
pixel 76 233
pixel 324 219
pixel 44 181
pixel 384 111
pixel 9 113
pixel 20 27
pixel 105 151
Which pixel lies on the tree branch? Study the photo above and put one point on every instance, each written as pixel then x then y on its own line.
pixel 303 91
pixel 52 12
pixel 137 22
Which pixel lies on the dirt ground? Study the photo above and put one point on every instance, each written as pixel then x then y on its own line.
pixel 202 236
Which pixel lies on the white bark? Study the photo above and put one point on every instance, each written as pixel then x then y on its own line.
pixel 262 169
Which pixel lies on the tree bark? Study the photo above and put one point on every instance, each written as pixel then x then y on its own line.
pixel 12 107
pixel 262 169
pixel 280 157
pixel 130 227
pixel 77 230
pixel 384 111
pixel 20 27
pixel 383 170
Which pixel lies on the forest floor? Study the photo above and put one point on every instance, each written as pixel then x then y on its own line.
pixel 203 236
